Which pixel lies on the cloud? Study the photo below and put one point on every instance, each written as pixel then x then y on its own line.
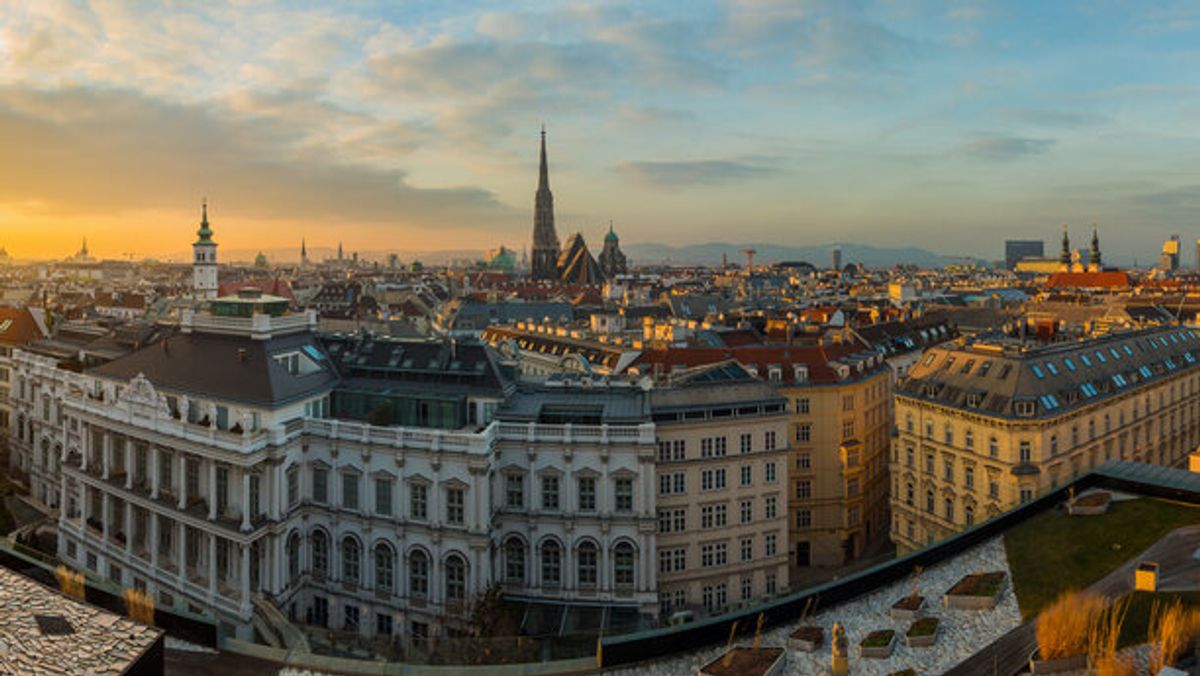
pixel 693 173
pixel 83 150
pixel 1052 118
pixel 1004 148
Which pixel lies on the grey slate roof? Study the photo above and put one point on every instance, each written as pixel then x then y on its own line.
pixel 987 377
pixel 230 368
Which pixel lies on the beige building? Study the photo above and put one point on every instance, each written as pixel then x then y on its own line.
pixel 840 424
pixel 990 423
pixel 721 490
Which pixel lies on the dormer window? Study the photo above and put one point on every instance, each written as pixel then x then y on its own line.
pixel 1024 407
pixel 800 373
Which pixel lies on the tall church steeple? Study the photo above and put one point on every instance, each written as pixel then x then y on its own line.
pixel 1065 256
pixel 204 261
pixel 1094 255
pixel 545 240
pixel 303 252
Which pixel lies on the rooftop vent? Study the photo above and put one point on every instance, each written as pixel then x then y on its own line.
pixel 54 625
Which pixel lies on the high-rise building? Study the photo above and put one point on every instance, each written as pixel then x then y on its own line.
pixel 837 258
pixel 1168 261
pixel 1017 249
pixel 204 262
pixel 545 240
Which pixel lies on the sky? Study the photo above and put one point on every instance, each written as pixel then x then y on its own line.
pixel 414 125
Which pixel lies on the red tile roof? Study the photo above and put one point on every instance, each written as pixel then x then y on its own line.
pixel 17 326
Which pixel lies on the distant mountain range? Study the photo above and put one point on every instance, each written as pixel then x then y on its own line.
pixel 820 255
pixel 643 254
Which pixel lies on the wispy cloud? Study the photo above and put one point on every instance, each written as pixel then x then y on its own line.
pixel 693 173
pixel 1005 148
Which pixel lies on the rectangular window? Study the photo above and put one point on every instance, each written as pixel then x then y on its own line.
pixel 803 518
pixel 623 495
pixel 769 440
pixel 769 471
pixel 456 500
pixel 804 432
pixel 769 507
pixel 514 491
pixel 383 496
pixel 320 488
pixel 747 510
pixel 747 475
pixel 746 443
pixel 550 492
pixel 802 406
pixel 803 490
pixel 349 491
pixel 747 545
pixel 587 494
pixel 418 502
pixel 293 485
pixel 770 544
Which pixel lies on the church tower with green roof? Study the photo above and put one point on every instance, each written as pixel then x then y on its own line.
pixel 204 261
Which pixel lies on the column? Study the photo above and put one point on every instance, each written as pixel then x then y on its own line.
pixel 182 531
pixel 154 540
pixel 128 528
pixel 85 446
pixel 105 447
pixel 212 565
pixel 83 506
pixel 128 464
pixel 245 500
pixel 182 479
pixel 212 490
pixel 104 517
pixel 154 472
pixel 276 481
pixel 245 579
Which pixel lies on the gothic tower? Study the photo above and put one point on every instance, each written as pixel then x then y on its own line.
pixel 1094 256
pixel 545 240
pixel 1064 257
pixel 204 262
pixel 303 252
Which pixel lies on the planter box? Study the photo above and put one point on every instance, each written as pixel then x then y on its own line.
pixel 1092 504
pixel 923 639
pixel 883 651
pixel 906 609
pixel 747 662
pixel 976 592
pixel 1145 578
pixel 1076 663
pixel 806 639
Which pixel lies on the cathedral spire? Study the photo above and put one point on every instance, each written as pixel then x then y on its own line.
pixel 1065 256
pixel 544 169
pixel 1094 255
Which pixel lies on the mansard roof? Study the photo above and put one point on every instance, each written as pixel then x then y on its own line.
pixel 227 368
pixel 1002 377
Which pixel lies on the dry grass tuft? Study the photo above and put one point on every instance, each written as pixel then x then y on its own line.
pixel 1102 642
pixel 1064 627
pixel 1172 630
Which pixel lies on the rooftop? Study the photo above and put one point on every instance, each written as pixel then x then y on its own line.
pixel 43 631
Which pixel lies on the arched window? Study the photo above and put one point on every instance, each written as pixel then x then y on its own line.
pixel 350 561
pixel 949 504
pixel 551 564
pixel 293 554
pixel 929 501
pixel 514 560
pixel 385 568
pixel 969 514
pixel 456 579
pixel 320 554
pixel 623 565
pixel 418 574
pixel 586 564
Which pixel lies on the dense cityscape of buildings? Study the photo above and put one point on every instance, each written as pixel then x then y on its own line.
pixel 374 448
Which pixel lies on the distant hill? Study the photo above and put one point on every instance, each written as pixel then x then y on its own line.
pixel 819 255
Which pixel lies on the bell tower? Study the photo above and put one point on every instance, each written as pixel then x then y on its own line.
pixel 204 259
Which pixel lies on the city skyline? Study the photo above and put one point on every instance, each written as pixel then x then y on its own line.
pixel 886 124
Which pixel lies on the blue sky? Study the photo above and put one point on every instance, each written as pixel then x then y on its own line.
pixel 413 125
